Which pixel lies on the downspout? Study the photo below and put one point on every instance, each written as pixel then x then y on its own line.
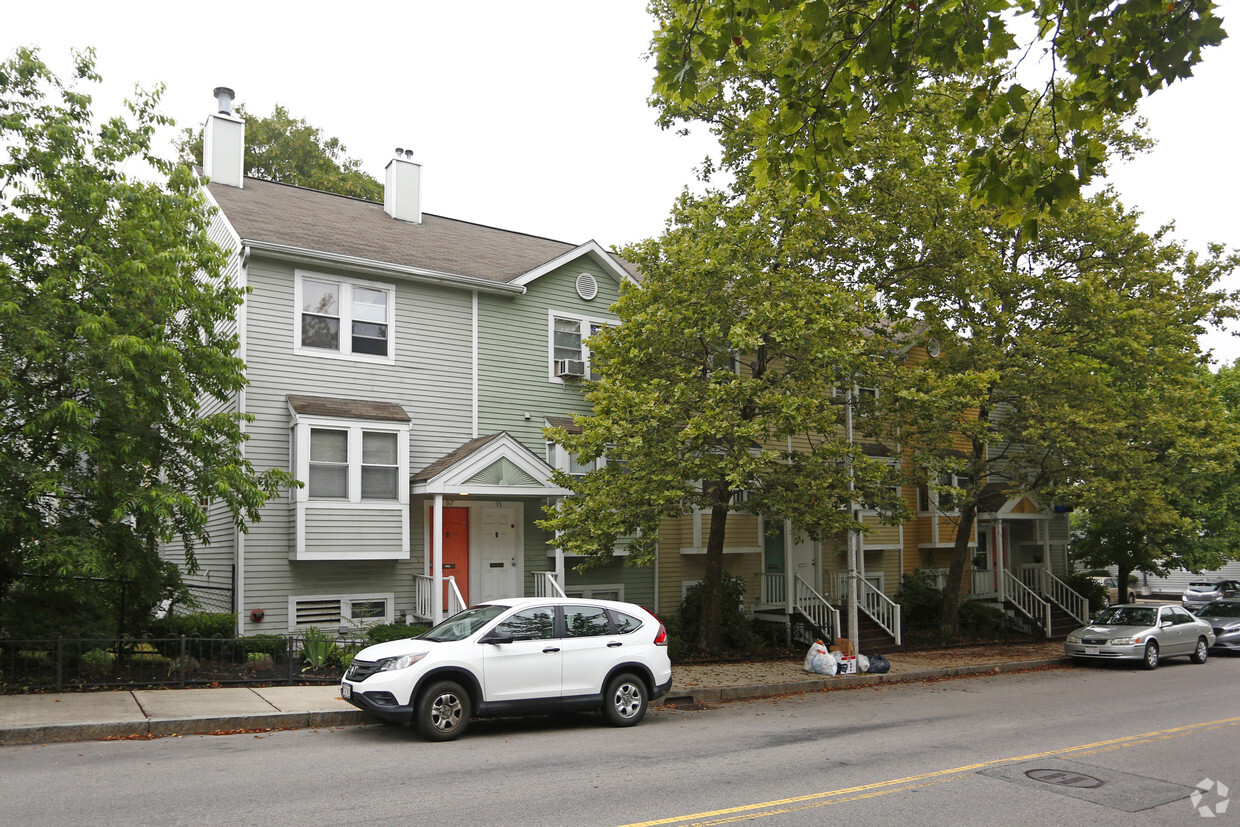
pixel 239 535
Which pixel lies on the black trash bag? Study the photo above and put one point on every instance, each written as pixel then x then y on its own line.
pixel 879 665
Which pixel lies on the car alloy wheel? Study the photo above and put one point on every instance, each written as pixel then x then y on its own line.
pixel 1201 652
pixel 624 701
pixel 443 711
pixel 1151 655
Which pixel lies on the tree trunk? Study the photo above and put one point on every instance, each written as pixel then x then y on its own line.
pixel 710 625
pixel 1121 584
pixel 949 620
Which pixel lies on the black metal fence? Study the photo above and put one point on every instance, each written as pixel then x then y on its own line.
pixel 64 664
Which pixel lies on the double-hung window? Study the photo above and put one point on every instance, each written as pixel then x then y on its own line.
pixel 570 355
pixel 353 464
pixel 346 318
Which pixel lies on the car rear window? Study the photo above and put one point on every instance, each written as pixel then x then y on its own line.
pixel 625 623
pixel 585 621
pixel 1203 587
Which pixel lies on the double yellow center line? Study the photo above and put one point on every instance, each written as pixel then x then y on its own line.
pixel 804 802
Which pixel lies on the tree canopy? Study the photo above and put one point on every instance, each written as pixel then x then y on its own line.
pixel 288 150
pixel 117 343
pixel 794 83
pixel 718 390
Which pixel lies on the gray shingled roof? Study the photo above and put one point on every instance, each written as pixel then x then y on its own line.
pixel 455 456
pixel 278 214
pixel 348 408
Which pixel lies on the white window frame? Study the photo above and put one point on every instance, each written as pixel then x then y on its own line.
pixel 559 458
pixel 355 429
pixel 346 606
pixel 589 326
pixel 933 496
pixel 345 344
pixel 587 592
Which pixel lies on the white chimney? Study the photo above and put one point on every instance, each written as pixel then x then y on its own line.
pixel 402 188
pixel 223 142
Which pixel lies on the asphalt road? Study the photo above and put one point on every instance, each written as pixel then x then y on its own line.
pixel 1095 744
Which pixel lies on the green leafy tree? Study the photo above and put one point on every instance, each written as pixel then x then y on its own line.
pixel 1181 510
pixel 288 150
pixel 797 82
pixel 717 390
pixel 116 343
pixel 1059 349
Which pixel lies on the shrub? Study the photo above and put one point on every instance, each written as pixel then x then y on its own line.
pixel 40 610
pixel 197 626
pixel 383 632
pixel 735 629
pixel 921 601
pixel 97 663
pixel 316 647
pixel 274 646
pixel 259 662
pixel 1084 584
pixel 985 620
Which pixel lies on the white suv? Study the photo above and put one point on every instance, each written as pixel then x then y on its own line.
pixel 516 656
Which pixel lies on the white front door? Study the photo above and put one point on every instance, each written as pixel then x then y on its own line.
pixel 496 534
pixel 805 562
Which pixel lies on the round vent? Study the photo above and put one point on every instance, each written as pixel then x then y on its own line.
pixel 587 287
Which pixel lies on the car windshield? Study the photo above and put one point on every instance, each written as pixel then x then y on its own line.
pixel 1223 608
pixel 463 624
pixel 1125 616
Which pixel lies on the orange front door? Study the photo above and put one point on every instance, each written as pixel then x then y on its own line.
pixel 456 550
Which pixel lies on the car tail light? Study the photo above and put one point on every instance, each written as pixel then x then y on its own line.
pixel 660 638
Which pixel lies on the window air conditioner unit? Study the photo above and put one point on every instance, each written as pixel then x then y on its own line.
pixel 570 368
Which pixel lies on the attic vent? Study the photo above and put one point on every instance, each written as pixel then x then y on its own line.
pixel 587 287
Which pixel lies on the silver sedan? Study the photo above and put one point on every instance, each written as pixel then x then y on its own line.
pixel 1224 617
pixel 1142 632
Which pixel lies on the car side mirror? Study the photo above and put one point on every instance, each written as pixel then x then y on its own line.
pixel 1166 623
pixel 496 637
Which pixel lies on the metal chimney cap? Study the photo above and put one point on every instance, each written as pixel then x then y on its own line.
pixel 224 98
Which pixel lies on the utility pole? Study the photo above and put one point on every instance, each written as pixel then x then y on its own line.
pixel 853 634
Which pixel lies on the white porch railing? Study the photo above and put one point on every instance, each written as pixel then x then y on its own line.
pixel 774 589
pixel 814 606
pixel 1026 601
pixel 882 609
pixel 983 583
pixel 546 585
pixel 456 602
pixel 423 597
pixel 1064 596
pixel 423 585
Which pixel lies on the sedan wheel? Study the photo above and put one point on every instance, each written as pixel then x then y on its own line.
pixel 443 711
pixel 1201 652
pixel 1151 656
pixel 624 701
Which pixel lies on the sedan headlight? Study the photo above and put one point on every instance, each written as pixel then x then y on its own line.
pixel 1073 639
pixel 402 662
pixel 1124 641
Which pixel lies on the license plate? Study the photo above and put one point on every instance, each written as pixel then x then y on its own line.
pixel 346 691
pixel 1089 650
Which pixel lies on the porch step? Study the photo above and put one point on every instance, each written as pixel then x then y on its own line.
pixel 1061 623
pixel 871 637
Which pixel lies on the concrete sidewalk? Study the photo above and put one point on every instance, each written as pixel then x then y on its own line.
pixel 153 713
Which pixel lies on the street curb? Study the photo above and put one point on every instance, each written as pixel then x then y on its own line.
pixel 738 693
pixel 163 727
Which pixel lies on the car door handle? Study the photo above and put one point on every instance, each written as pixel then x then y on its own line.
pixel 614 644
pixel 551 650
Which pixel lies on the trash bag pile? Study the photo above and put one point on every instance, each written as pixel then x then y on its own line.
pixel 820 660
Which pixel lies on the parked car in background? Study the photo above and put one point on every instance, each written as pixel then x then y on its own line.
pixel 516 656
pixel 1203 592
pixel 1111 584
pixel 1224 617
pixel 1144 633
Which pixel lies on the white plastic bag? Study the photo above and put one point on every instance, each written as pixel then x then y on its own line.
pixel 825 664
pixel 819 648
pixel 863 664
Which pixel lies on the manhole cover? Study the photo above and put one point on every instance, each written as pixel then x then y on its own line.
pixel 1061 778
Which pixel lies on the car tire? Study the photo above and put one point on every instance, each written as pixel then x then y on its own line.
pixel 624 700
pixel 1150 661
pixel 1202 651
pixel 443 711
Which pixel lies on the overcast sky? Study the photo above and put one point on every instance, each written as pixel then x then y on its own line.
pixel 532 116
